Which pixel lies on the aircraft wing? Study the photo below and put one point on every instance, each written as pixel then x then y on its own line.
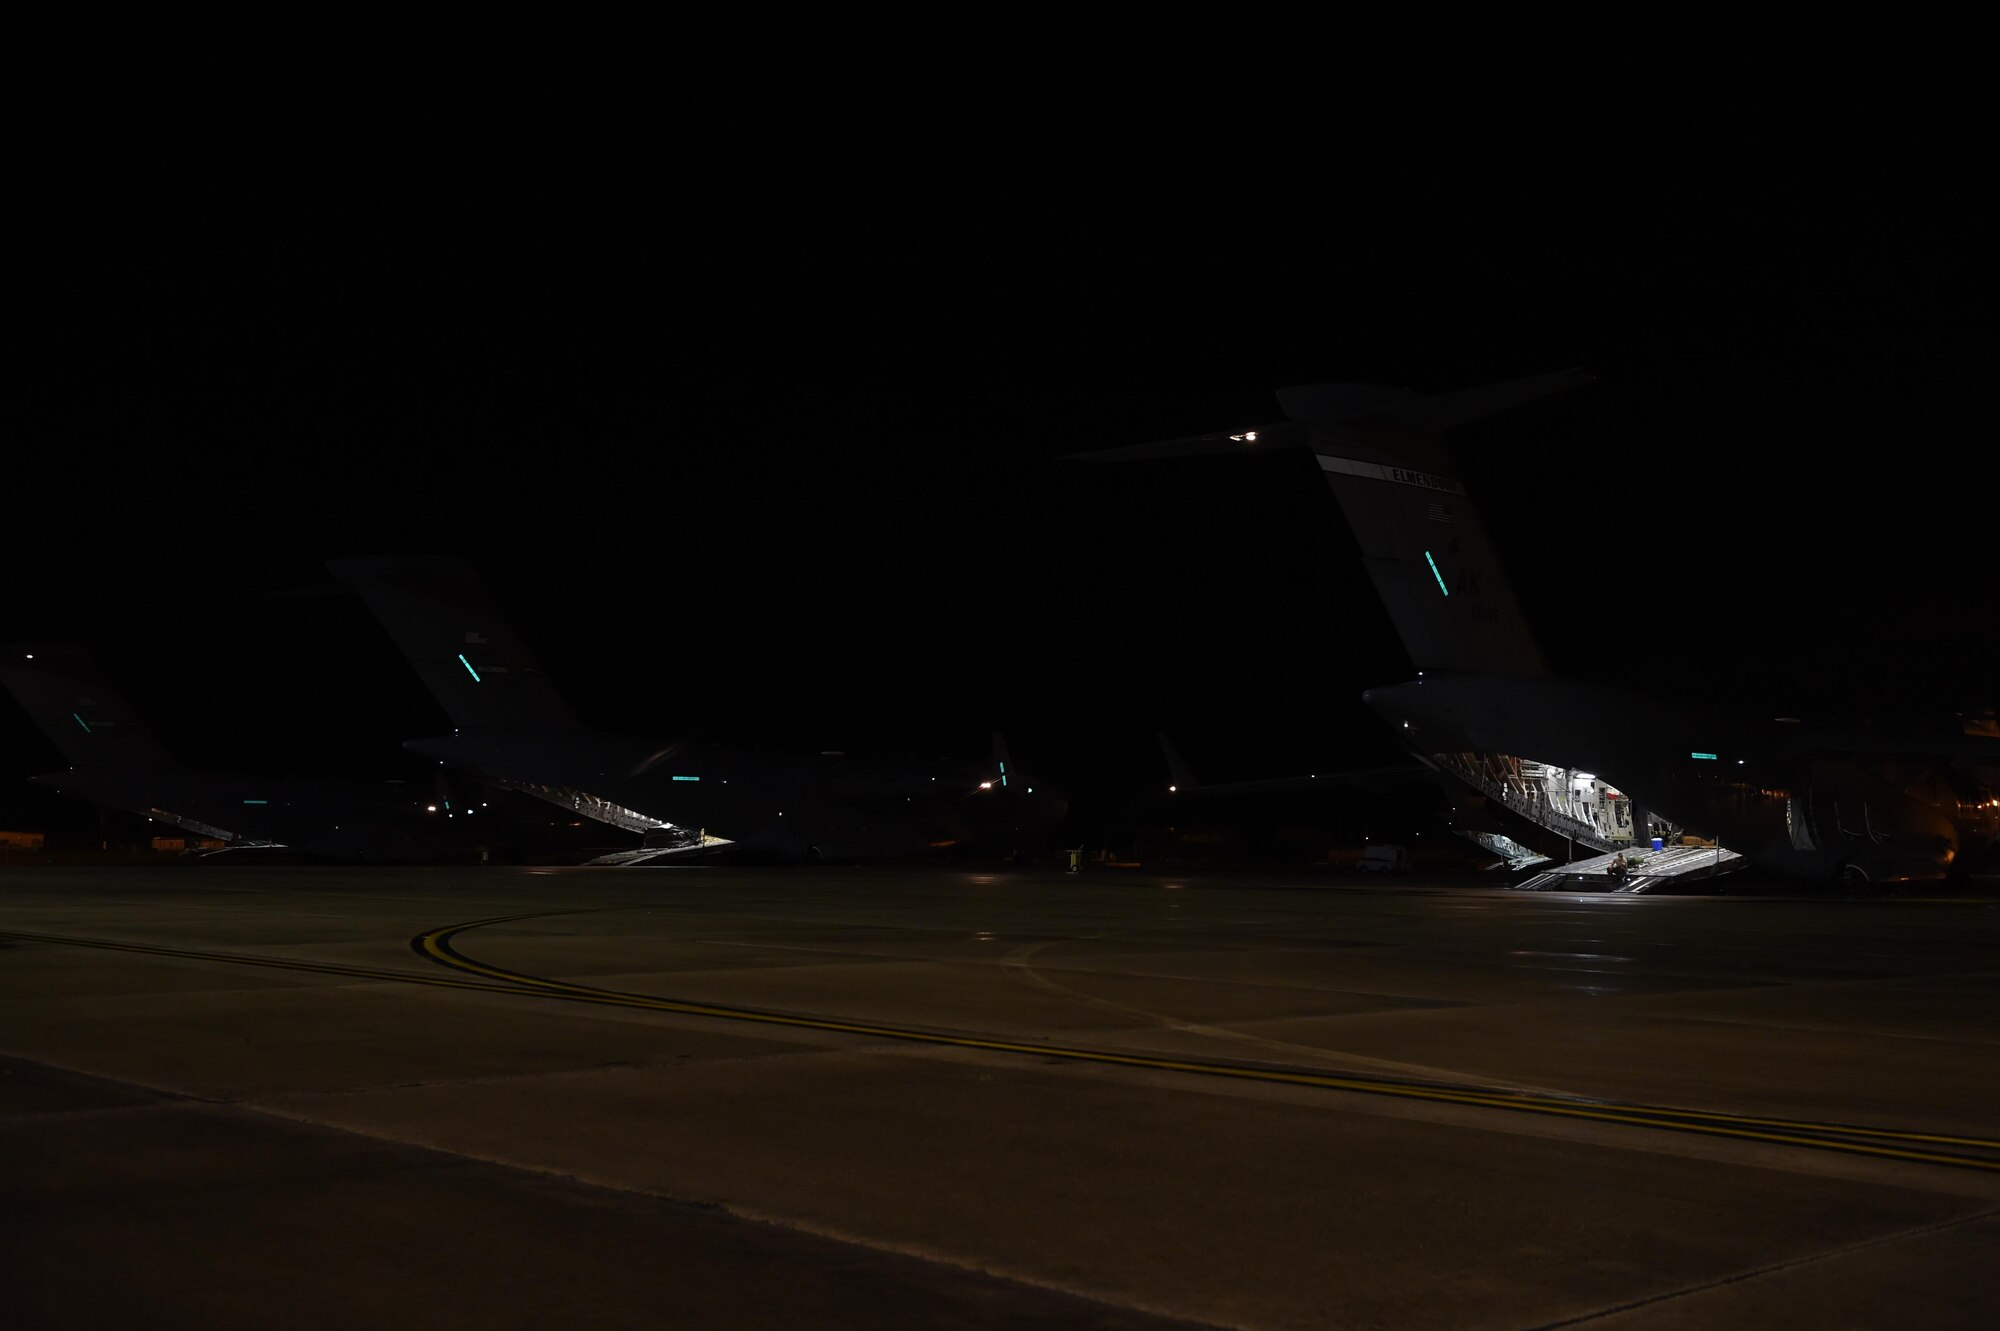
pixel 1972 741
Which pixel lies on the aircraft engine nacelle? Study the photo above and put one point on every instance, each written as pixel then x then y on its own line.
pixel 1861 821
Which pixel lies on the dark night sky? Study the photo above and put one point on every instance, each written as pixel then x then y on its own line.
pixel 797 482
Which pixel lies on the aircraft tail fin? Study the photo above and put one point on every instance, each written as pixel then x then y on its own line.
pixel 450 629
pixel 1425 548
pixel 1001 758
pixel 1421 538
pixel 64 692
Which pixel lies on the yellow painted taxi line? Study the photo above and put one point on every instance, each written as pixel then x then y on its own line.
pixel 436 944
pixel 274 963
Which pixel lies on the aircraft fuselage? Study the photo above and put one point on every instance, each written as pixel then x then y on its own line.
pixel 1875 807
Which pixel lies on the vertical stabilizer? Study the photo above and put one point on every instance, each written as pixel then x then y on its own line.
pixel 450 629
pixel 61 688
pixel 1182 775
pixel 1382 452
pixel 1422 540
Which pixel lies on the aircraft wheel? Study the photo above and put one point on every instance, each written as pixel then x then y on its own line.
pixel 1853 878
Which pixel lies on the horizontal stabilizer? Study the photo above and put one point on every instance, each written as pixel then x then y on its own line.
pixel 1341 404
pixel 1251 439
pixel 64 692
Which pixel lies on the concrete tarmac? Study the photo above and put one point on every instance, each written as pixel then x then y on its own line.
pixel 837 1097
